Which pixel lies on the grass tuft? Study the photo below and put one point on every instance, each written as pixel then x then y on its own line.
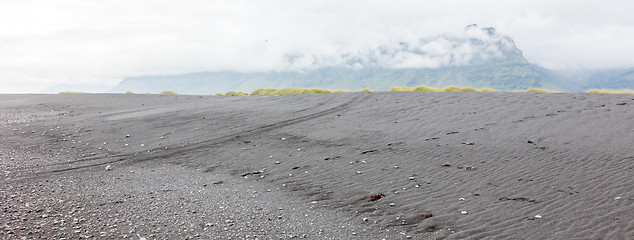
pixel 452 89
pixel 424 88
pixel 340 91
pixel 129 92
pixel 611 91
pixel 168 93
pixel 292 91
pixel 236 93
pixel 401 89
pixel 468 90
pixel 266 92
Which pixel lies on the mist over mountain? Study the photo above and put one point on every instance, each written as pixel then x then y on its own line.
pixel 479 58
pixel 615 79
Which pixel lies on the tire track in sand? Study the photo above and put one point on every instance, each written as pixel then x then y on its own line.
pixel 161 153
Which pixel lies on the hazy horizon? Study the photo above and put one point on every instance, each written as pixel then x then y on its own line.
pixel 95 43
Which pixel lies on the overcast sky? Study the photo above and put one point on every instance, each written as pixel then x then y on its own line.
pixel 49 42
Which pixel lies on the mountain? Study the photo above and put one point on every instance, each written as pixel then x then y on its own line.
pixel 478 58
pixel 583 80
pixel 613 79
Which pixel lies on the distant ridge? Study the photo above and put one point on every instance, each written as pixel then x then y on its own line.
pixel 480 58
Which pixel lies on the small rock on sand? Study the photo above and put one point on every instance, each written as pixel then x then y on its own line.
pixel 108 168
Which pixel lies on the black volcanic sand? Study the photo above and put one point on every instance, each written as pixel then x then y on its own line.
pixel 439 165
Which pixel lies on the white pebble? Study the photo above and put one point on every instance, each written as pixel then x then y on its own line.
pixel 464 212
pixel 538 216
pixel 108 168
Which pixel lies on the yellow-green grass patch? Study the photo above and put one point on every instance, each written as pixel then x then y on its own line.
pixel 293 91
pixel 168 93
pixel 612 91
pixel 424 88
pixel 236 93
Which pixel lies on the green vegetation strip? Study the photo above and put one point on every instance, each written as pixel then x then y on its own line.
pixel 292 91
pixel 613 91
pixel 423 88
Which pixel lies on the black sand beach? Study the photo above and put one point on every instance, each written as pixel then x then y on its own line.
pixel 331 166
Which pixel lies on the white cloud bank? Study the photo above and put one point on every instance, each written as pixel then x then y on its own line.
pixel 49 42
pixel 472 45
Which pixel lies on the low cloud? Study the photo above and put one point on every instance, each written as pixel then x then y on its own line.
pixel 471 46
